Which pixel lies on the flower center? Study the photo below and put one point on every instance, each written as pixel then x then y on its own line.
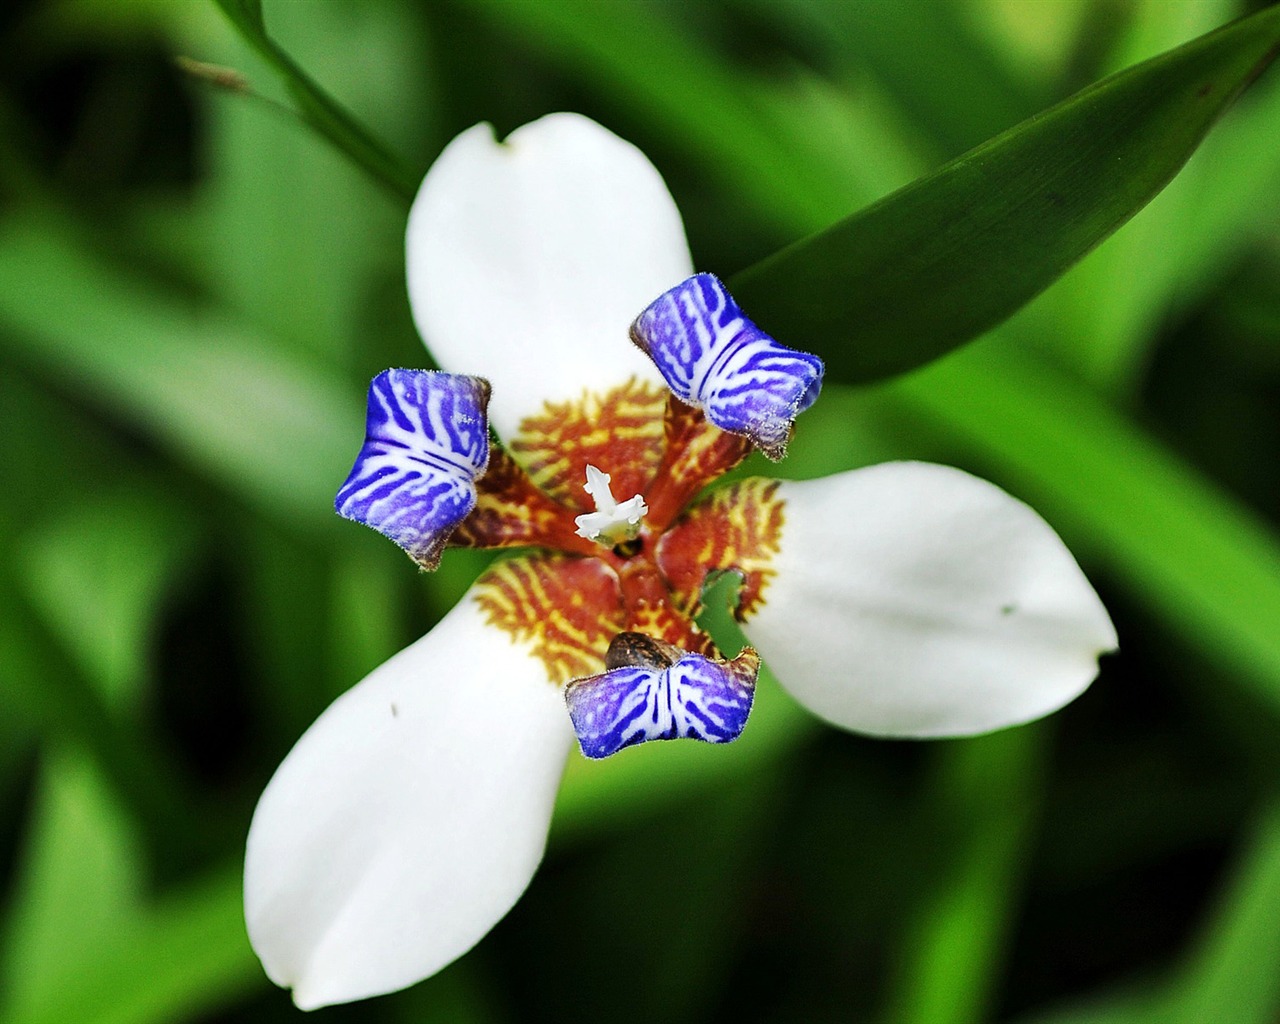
pixel 613 522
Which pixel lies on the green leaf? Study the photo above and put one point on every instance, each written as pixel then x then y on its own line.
pixel 1101 319
pixel 953 254
pixel 85 945
pixel 1232 974
pixel 955 941
pixel 81 881
pixel 44 693
pixel 98 575
pixel 187 956
pixel 273 428
pixel 246 13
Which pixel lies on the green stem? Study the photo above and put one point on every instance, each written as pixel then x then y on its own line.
pixel 320 111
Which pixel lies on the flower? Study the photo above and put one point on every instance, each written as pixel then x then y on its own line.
pixel 904 599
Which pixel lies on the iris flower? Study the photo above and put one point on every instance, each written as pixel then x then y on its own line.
pixel 904 600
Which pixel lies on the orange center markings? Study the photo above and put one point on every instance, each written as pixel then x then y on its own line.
pixel 567 604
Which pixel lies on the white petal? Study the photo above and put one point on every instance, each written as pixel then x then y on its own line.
pixel 408 819
pixel 528 260
pixel 917 600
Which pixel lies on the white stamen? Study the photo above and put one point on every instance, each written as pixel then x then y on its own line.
pixel 612 522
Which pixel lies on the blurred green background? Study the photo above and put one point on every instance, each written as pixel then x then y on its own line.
pixel 194 292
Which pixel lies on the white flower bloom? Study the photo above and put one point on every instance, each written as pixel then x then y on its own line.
pixel 408 819
pixel 902 600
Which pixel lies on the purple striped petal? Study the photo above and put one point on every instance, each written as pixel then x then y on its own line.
pixel 713 357
pixel 677 696
pixel 426 444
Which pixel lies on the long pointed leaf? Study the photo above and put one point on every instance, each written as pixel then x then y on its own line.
pixel 953 254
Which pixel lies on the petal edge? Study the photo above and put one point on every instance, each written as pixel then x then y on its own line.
pixel 408 819
pixel 528 259
pixel 915 600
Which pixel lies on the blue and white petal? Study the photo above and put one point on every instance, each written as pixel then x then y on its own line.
pixel 713 357
pixel 527 259
pixel 409 818
pixel 693 697
pixel 426 444
pixel 915 600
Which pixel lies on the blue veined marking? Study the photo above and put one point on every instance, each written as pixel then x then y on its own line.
pixel 713 357
pixel 692 698
pixel 426 444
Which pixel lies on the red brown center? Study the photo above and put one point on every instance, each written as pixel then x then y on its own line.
pixel 570 600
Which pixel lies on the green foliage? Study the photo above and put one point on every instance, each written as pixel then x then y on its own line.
pixel 98 574
pixel 315 106
pixel 236 406
pixel 956 252
pixel 85 943
pixel 193 293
